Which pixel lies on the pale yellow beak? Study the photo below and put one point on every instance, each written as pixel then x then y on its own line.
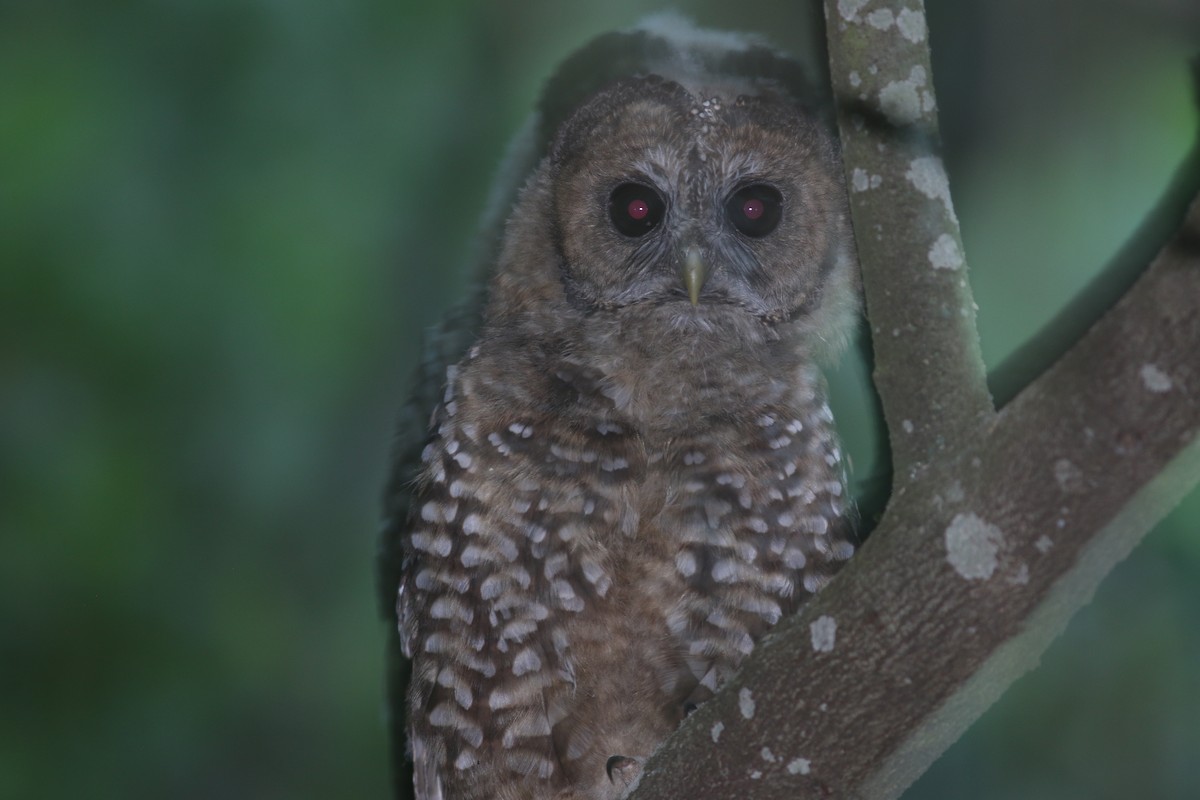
pixel 695 272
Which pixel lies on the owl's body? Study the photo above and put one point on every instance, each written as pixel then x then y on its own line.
pixel 632 472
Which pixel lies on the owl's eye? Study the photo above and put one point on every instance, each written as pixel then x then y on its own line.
pixel 755 209
pixel 635 209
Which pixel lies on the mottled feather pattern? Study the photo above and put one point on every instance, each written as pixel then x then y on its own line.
pixel 527 518
pixel 631 473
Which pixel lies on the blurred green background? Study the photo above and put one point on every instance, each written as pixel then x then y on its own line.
pixel 223 226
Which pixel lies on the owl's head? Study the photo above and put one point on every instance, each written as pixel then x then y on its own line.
pixel 700 193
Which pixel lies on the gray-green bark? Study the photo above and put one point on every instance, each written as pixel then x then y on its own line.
pixel 1000 524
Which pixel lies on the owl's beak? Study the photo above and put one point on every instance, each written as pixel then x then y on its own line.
pixel 695 273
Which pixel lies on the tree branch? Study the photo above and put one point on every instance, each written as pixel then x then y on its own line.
pixel 928 368
pixel 1000 526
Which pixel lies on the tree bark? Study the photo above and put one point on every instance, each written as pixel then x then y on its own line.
pixel 1000 524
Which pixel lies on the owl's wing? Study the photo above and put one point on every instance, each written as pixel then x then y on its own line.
pixel 446 343
pixel 443 345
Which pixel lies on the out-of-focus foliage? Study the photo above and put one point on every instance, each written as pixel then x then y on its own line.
pixel 222 226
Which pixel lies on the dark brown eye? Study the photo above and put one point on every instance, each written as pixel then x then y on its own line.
pixel 635 209
pixel 755 209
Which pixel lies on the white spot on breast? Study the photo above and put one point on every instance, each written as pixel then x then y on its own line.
pixel 724 571
pixel 554 565
pixel 472 524
pixel 463 459
pixel 491 587
pixel 478 664
pixel 693 457
pixel 746 703
pixel 714 510
pixel 747 552
pixel 508 550
pixel 799 766
pixel 1155 380
pixel 499 699
pixel 767 755
pixel 794 558
pixel 592 571
pixel 473 556
pixel 765 421
pixel 1043 544
pixel 526 726
pixel 450 608
pixel 972 545
pixel 518 629
pixel 907 426
pixel 824 634
pixel 526 661
pixel 563 453
pixel 815 582
pixel 779 442
pixel 716 731
pixel 438 545
pixel 568 532
pixel 466 759
pixel 521 576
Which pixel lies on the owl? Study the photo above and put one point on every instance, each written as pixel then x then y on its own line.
pixel 627 470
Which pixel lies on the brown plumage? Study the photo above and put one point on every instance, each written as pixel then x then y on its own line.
pixel 632 472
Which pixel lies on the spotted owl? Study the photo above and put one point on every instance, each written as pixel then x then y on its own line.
pixel 630 471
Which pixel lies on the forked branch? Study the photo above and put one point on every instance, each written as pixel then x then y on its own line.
pixel 1000 525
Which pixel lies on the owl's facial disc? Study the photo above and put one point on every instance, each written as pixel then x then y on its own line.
pixel 699 203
